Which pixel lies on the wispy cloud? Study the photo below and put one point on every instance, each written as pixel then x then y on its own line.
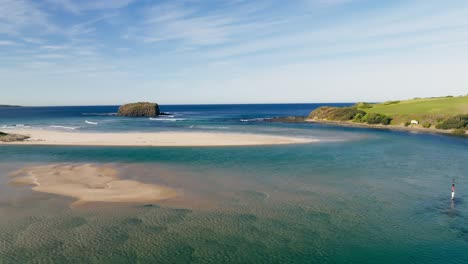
pixel 17 16
pixel 188 23
pixel 7 43
pixel 328 2
pixel 404 27
pixel 79 7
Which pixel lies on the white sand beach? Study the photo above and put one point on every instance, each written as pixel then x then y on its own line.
pixel 51 137
pixel 90 183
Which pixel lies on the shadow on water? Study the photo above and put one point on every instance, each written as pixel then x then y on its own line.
pixel 445 206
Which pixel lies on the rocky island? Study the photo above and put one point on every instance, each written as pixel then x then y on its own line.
pixel 141 109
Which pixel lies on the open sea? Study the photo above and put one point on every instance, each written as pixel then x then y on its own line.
pixel 357 196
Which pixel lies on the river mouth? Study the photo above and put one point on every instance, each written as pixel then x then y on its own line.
pixel 386 194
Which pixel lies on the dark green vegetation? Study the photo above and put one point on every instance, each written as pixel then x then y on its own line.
pixel 458 132
pixel 351 113
pixel 440 112
pixel 287 119
pixel 4 137
pixel 336 113
pixel 455 122
pixel 139 109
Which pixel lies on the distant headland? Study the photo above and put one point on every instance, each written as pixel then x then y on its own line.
pixel 436 114
pixel 10 105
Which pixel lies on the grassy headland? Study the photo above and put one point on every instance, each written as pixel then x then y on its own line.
pixel 441 114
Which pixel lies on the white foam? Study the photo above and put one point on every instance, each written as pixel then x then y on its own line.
pixel 166 119
pixel 15 126
pixel 64 127
pixel 91 123
pixel 252 120
pixel 99 114
pixel 210 127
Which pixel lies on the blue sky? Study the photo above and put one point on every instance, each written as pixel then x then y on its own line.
pixel 64 52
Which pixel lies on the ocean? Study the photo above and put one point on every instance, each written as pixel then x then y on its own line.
pixel 357 196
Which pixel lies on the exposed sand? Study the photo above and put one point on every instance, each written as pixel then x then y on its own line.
pixel 90 183
pixel 50 137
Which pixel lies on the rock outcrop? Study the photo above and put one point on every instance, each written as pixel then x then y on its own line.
pixel 139 109
pixel 4 137
pixel 287 119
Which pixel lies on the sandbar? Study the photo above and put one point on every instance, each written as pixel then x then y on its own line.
pixel 51 137
pixel 90 183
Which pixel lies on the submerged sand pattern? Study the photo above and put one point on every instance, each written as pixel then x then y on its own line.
pixel 90 183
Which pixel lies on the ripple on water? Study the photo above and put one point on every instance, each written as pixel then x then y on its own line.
pixel 133 221
pixel 73 222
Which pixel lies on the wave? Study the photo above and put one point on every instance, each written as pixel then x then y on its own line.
pixel 253 120
pixel 210 127
pixel 91 123
pixel 64 127
pixel 99 114
pixel 15 126
pixel 166 119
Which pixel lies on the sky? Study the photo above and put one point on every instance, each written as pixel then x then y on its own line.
pixel 106 52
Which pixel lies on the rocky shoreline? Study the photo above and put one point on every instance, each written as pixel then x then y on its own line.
pixel 304 119
pixel 5 137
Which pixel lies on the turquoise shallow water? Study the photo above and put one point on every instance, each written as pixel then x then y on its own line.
pixel 358 196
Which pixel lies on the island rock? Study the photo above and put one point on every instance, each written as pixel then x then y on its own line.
pixel 139 109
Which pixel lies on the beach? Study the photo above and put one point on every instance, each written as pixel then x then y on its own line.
pixel 51 137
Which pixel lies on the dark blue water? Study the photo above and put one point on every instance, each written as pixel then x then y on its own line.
pixel 181 117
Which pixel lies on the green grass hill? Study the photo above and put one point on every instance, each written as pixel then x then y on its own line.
pixel 439 112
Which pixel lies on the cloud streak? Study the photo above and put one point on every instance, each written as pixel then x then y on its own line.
pixel 18 16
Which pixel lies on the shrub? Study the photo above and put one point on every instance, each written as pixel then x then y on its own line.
pixel 336 113
pixel 458 132
pixel 364 105
pixel 386 120
pixel 358 117
pixel 407 123
pixel 375 118
pixel 3 134
pixel 426 125
pixel 391 102
pixel 454 122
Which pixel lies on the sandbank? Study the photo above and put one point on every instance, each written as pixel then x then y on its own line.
pixel 90 183
pixel 51 137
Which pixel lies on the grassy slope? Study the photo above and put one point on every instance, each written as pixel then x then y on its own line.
pixel 441 105
pixel 429 110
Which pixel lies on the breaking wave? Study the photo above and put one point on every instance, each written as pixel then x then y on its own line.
pixel 64 127
pixel 99 114
pixel 166 119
